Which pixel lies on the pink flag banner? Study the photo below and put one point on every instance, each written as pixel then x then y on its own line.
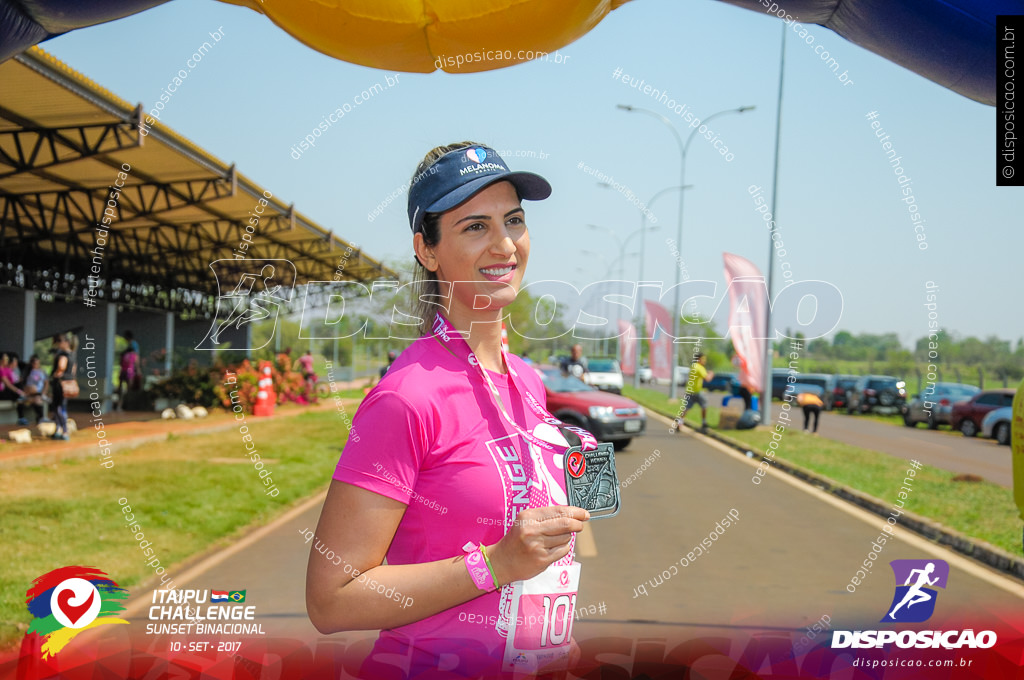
pixel 659 330
pixel 747 316
pixel 627 347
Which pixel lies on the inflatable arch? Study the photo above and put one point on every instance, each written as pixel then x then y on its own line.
pixel 951 42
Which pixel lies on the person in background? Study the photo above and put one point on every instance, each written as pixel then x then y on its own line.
pixel 305 363
pixel 695 392
pixel 812 405
pixel 63 369
pixel 18 369
pixel 9 390
pixel 132 344
pixel 129 377
pixel 576 364
pixel 744 391
pixel 392 355
pixel 33 386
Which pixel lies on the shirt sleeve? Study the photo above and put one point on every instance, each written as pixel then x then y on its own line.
pixel 386 447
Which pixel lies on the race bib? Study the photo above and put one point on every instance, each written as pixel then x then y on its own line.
pixel 542 617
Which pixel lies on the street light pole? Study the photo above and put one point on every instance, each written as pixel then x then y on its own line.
pixel 683 147
pixel 766 389
pixel 621 260
pixel 640 277
pixel 600 345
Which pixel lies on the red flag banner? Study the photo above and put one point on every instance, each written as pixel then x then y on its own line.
pixel 748 295
pixel 627 347
pixel 659 329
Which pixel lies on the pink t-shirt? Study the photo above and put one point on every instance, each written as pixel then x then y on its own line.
pixel 431 436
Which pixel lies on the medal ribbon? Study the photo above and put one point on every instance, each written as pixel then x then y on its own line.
pixel 451 340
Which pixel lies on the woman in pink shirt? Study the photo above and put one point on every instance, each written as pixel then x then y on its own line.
pixel 457 476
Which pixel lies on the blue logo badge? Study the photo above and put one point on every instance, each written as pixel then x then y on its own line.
pixel 914 601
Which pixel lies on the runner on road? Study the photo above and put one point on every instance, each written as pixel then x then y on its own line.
pixel 695 392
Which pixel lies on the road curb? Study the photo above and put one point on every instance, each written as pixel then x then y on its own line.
pixel 976 549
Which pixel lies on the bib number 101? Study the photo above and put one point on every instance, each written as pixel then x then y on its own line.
pixel 558 610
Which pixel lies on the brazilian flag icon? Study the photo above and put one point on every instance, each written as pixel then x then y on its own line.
pixel 237 596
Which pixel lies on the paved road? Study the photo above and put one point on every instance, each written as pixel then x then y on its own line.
pixel 781 567
pixel 982 457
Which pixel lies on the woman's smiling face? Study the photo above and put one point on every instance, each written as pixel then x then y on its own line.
pixel 482 253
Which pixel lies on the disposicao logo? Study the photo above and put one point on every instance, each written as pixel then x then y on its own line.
pixel 914 602
pixel 917 576
pixel 69 600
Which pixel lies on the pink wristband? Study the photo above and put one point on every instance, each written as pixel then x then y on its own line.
pixel 478 571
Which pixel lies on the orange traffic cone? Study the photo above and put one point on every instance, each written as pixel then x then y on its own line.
pixel 266 398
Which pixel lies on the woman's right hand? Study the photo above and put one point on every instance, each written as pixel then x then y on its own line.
pixel 538 538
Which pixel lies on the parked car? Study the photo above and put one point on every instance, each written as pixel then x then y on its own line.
pixel 779 383
pixel 967 415
pixel 825 381
pixel 646 374
pixel 682 374
pixel 780 380
pixel 807 388
pixel 723 382
pixel 878 393
pixel 604 374
pixel 939 403
pixel 996 425
pixel 842 385
pixel 609 417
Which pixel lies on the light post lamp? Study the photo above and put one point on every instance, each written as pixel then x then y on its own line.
pixel 683 147
pixel 621 243
pixel 640 276
pixel 604 260
pixel 620 260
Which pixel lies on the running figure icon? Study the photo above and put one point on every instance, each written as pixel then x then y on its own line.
pixel 915 594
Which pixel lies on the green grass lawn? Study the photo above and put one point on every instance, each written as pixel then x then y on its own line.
pixel 668 407
pixel 979 509
pixel 68 513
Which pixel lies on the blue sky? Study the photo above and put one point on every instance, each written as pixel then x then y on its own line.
pixel 259 92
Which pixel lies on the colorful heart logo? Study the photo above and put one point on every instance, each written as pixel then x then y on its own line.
pixel 74 612
pixel 576 464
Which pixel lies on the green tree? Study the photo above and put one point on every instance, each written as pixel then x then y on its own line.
pixel 899 362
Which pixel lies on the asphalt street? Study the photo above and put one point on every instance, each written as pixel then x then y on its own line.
pixel 784 562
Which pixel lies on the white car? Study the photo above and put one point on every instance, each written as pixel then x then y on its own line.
pixel 604 374
pixel 996 425
pixel 682 374
pixel 646 374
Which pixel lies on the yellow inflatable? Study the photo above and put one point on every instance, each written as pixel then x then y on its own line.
pixel 458 36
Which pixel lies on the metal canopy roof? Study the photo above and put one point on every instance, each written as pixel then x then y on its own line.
pixel 63 141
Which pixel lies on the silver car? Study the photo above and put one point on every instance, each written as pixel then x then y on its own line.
pixel 996 425
pixel 939 404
